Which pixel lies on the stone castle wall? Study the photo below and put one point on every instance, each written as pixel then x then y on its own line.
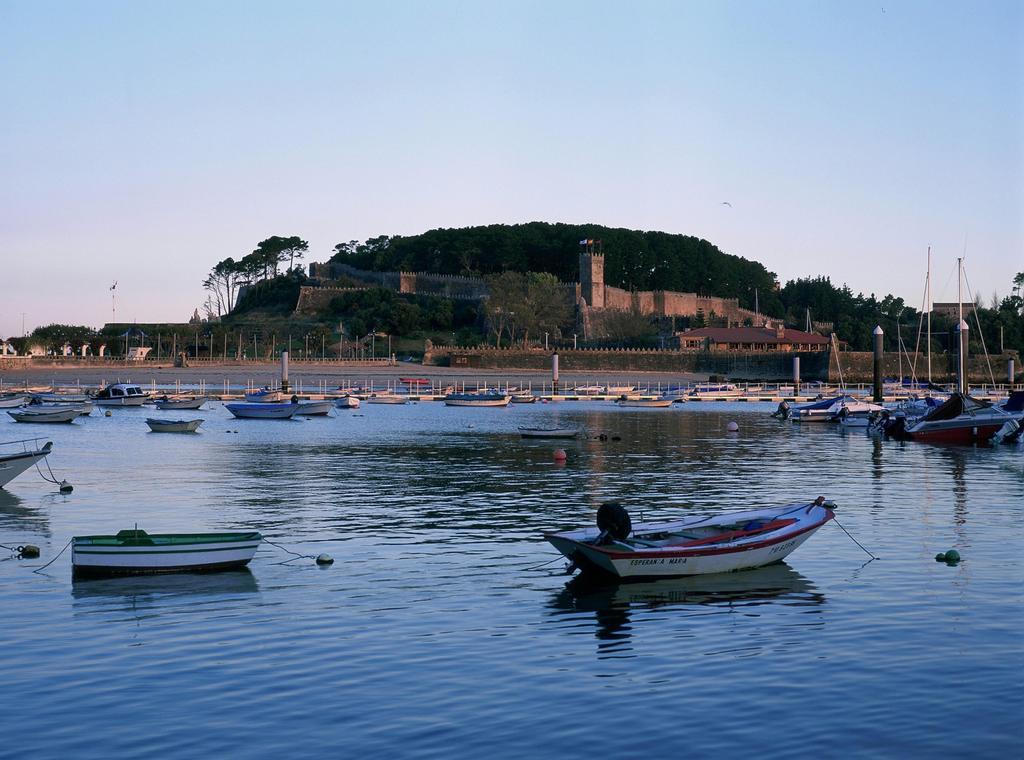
pixel 314 300
pixel 590 292
pixel 419 283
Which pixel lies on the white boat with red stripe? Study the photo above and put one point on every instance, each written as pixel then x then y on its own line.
pixel 695 546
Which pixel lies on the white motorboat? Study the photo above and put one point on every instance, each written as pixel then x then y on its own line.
pixel 854 413
pixel 13 461
pixel 262 411
pixel 45 414
pixel 347 402
pixel 529 432
pixel 181 402
pixel 693 546
pixel 819 410
pixel 173 426
pixel 483 398
pixel 612 390
pixel 644 402
pixel 135 552
pixel 314 408
pixel 13 401
pixel 121 394
pixel 523 398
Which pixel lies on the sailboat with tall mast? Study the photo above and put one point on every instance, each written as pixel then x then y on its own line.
pixel 961 419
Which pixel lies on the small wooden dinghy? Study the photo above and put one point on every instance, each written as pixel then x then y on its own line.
pixel 135 552
pixel 481 398
pixel 695 546
pixel 387 398
pixel 263 411
pixel 314 408
pixel 182 402
pixel 527 432
pixel 648 402
pixel 47 414
pixel 173 426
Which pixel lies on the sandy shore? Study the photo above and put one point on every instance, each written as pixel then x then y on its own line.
pixel 309 374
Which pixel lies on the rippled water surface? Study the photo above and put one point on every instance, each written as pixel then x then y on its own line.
pixel 435 633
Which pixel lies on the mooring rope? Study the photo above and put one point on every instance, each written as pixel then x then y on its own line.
pixel 853 539
pixel 286 549
pixel 43 567
pixel 543 564
pixel 52 478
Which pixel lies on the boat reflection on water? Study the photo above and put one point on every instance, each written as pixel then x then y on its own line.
pixel 168 585
pixel 16 515
pixel 616 603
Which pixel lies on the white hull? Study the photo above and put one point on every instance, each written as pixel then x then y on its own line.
pixel 124 401
pixel 183 403
pixel 645 403
pixel 349 402
pixel 633 558
pixel 12 465
pixel 132 560
pixel 394 400
pixel 477 402
pixel 46 415
pixel 13 402
pixel 174 426
pixel 314 408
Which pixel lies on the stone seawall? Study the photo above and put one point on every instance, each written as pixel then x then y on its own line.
pixel 732 364
pixel 858 367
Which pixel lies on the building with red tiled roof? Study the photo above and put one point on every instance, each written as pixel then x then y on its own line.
pixel 751 339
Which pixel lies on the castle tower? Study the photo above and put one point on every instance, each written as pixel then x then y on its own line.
pixel 592 273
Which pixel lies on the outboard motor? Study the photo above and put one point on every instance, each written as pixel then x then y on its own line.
pixel 896 429
pixel 613 522
pixel 782 412
pixel 1008 433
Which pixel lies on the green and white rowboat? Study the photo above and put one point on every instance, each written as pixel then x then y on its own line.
pixel 135 552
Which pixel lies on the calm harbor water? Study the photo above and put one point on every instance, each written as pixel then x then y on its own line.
pixel 435 633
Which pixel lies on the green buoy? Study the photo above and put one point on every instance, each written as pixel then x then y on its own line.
pixel 952 556
pixel 940 557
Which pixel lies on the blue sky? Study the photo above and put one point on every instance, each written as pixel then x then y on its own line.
pixel 142 142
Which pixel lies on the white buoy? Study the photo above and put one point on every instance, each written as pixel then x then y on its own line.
pixel 325 559
pixel 107 414
pixel 732 427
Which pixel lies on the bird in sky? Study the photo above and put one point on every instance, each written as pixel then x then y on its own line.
pixel 726 203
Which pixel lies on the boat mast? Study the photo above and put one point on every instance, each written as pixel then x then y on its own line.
pixel 928 306
pixel 960 384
